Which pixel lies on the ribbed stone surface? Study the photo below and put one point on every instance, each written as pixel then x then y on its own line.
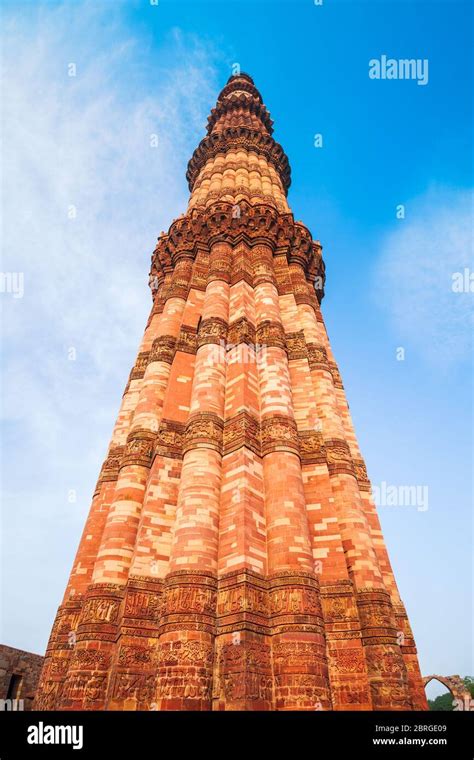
pixel 233 557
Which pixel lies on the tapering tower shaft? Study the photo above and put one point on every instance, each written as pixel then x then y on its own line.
pixel 232 558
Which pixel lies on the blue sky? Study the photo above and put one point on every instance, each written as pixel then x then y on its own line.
pixel 83 142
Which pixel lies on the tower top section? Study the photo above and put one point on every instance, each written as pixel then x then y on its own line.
pixel 240 105
pixel 239 121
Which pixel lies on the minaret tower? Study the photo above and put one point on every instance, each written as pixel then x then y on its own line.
pixel 233 558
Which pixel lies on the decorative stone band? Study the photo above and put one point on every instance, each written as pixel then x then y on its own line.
pixel 110 468
pixel 242 430
pixel 295 603
pixel 159 301
pixel 170 439
pixel 296 345
pixel 101 612
pixel 193 659
pixel 239 138
pixel 142 607
pixel 312 450
pixel 300 656
pixel 285 605
pixel 302 293
pixel 385 664
pixel 262 227
pixel 163 349
pixel 340 612
pixel 317 357
pixel 187 341
pixel 212 330
pixel 179 288
pixel 206 430
pixel 186 649
pixel 361 475
pixel 140 366
pixel 139 448
pixel 215 330
pixel 132 687
pixel 203 430
pixel 86 682
pixel 339 457
pixel 301 675
pixel 67 618
pixel 298 643
pixel 270 333
pixel 49 690
pixel 85 689
pixel 286 600
pixel 243 603
pixel 345 651
pixel 241 331
pixel 336 376
pixel 58 656
pixel 136 657
pixel 189 601
pixel 90 659
pixel 243 673
pixel 376 615
pixel 279 433
pixel 251 196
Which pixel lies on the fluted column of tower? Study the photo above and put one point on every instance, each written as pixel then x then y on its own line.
pixel 233 558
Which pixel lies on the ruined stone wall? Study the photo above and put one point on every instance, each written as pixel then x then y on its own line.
pixel 26 667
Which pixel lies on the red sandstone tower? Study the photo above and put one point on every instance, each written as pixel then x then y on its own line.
pixel 233 558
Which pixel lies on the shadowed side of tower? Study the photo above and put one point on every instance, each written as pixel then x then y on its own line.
pixel 233 558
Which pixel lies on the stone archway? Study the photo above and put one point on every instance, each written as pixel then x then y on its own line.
pixel 456 686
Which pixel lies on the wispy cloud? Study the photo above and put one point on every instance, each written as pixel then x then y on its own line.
pixel 413 279
pixel 85 194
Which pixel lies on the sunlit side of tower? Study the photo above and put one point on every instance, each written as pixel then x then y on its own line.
pixel 233 558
